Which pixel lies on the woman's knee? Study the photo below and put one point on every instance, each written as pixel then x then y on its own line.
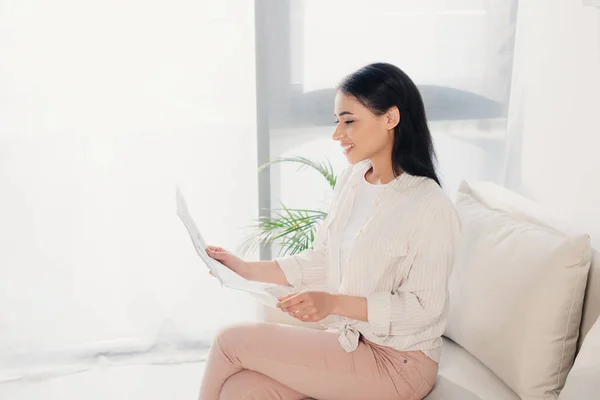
pixel 244 386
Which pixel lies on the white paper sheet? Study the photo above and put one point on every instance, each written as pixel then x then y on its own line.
pixel 265 292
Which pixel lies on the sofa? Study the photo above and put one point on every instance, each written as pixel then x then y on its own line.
pixel 524 304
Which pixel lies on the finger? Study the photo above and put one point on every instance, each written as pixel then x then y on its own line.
pixel 302 298
pixel 217 255
pixel 289 306
pixel 210 272
pixel 215 248
pixel 314 317
pixel 282 298
pixel 298 316
pixel 306 318
pixel 211 254
pixel 291 301
pixel 302 309
pixel 295 316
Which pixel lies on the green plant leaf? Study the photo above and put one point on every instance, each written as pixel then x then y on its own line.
pixel 323 168
pixel 293 228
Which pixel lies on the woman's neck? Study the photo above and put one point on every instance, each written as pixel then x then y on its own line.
pixel 381 171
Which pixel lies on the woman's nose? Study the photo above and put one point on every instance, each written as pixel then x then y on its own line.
pixel 336 133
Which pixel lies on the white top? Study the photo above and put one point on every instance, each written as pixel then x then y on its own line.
pixel 367 192
pixel 400 262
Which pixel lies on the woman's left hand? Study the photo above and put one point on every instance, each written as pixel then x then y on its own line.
pixel 308 306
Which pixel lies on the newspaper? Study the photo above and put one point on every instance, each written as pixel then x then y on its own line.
pixel 265 292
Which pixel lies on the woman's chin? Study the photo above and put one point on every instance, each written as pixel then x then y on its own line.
pixel 353 158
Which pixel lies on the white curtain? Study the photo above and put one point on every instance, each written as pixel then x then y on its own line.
pixel 554 129
pixel 104 108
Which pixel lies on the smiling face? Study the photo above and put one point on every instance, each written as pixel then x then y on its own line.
pixel 362 134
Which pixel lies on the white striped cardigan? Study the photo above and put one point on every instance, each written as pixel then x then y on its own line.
pixel 401 261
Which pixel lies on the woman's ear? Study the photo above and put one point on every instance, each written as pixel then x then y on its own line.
pixel 392 117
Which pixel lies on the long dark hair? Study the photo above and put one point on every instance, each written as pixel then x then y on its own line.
pixel 381 86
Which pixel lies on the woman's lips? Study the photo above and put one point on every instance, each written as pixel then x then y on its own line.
pixel 347 148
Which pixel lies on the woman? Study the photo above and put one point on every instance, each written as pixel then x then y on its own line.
pixel 378 270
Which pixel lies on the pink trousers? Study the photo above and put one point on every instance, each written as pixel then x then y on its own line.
pixel 262 361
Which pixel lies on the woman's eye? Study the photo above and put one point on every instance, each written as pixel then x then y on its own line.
pixel 336 122
pixel 348 122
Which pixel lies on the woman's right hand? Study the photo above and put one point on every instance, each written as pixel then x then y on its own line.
pixel 226 258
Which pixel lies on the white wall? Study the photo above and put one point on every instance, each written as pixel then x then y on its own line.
pixel 559 71
pixel 104 106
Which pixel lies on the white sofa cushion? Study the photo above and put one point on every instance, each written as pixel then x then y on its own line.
pixel 584 379
pixel 463 377
pixel 516 293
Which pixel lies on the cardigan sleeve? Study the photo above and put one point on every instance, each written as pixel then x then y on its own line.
pixel 308 269
pixel 421 298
